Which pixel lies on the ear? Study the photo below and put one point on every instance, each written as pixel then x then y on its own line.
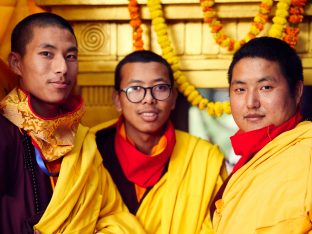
pixel 15 61
pixel 299 92
pixel 174 93
pixel 116 100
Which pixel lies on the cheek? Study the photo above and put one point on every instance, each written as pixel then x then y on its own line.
pixel 236 104
pixel 126 108
pixel 72 69
pixel 277 103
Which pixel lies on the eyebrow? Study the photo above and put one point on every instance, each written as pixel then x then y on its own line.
pixel 142 81
pixel 49 46
pixel 237 82
pixel 266 78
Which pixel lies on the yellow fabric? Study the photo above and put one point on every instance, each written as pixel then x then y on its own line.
pixel 272 193
pixel 85 198
pixel 179 202
pixel 55 137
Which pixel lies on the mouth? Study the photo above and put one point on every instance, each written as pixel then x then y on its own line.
pixel 149 116
pixel 254 117
pixel 60 84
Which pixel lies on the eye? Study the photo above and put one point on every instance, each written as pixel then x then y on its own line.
pixel 162 87
pixel 71 57
pixel 239 90
pixel 266 87
pixel 46 54
pixel 134 89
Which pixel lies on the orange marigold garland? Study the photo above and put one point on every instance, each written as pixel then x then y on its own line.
pixel 135 22
pixel 210 17
pixel 187 89
pixel 295 17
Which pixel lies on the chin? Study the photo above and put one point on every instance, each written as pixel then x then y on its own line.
pixel 58 101
pixel 151 130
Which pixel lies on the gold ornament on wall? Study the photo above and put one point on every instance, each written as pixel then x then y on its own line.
pixel 92 38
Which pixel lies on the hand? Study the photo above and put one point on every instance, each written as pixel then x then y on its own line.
pixel 36 232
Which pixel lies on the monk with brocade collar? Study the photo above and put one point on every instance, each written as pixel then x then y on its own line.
pixel 51 178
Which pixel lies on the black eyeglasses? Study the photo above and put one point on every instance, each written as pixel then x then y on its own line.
pixel 136 94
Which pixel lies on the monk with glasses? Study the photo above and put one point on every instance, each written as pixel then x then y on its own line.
pixel 166 177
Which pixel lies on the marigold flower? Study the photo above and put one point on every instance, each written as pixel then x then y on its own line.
pixel 156 13
pixel 175 67
pixel 295 19
pixel 299 2
pixel 218 108
pixel 203 104
pixel 210 109
pixel 183 86
pixel 227 107
pixel 260 18
pixel 190 88
pixel 192 95
pixel 279 20
pixel 196 100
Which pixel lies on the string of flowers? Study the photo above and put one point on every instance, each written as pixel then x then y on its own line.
pixel 188 90
pixel 135 22
pixel 295 17
pixel 210 17
pixel 280 19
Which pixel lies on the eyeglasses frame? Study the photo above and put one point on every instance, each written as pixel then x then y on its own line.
pixel 125 90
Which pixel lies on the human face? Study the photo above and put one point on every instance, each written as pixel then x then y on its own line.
pixel 149 115
pixel 49 68
pixel 260 96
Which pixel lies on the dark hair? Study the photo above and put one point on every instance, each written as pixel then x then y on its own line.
pixel 144 56
pixel 274 50
pixel 22 34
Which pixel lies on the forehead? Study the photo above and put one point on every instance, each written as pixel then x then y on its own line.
pixel 252 69
pixel 51 35
pixel 144 72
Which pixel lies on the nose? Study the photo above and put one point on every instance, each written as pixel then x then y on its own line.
pixel 148 96
pixel 60 65
pixel 253 101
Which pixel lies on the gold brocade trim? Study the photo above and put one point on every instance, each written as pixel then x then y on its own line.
pixel 55 137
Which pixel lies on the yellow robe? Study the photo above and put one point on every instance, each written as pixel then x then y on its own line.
pixel 85 199
pixel 272 193
pixel 179 202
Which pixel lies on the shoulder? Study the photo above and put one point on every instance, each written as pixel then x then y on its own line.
pixel 11 151
pixel 305 124
pixel 4 122
pixel 103 126
pixel 8 129
pixel 198 148
pixel 302 134
pixel 187 138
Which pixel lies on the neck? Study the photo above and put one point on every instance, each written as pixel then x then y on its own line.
pixel 44 109
pixel 144 142
pixel 145 145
